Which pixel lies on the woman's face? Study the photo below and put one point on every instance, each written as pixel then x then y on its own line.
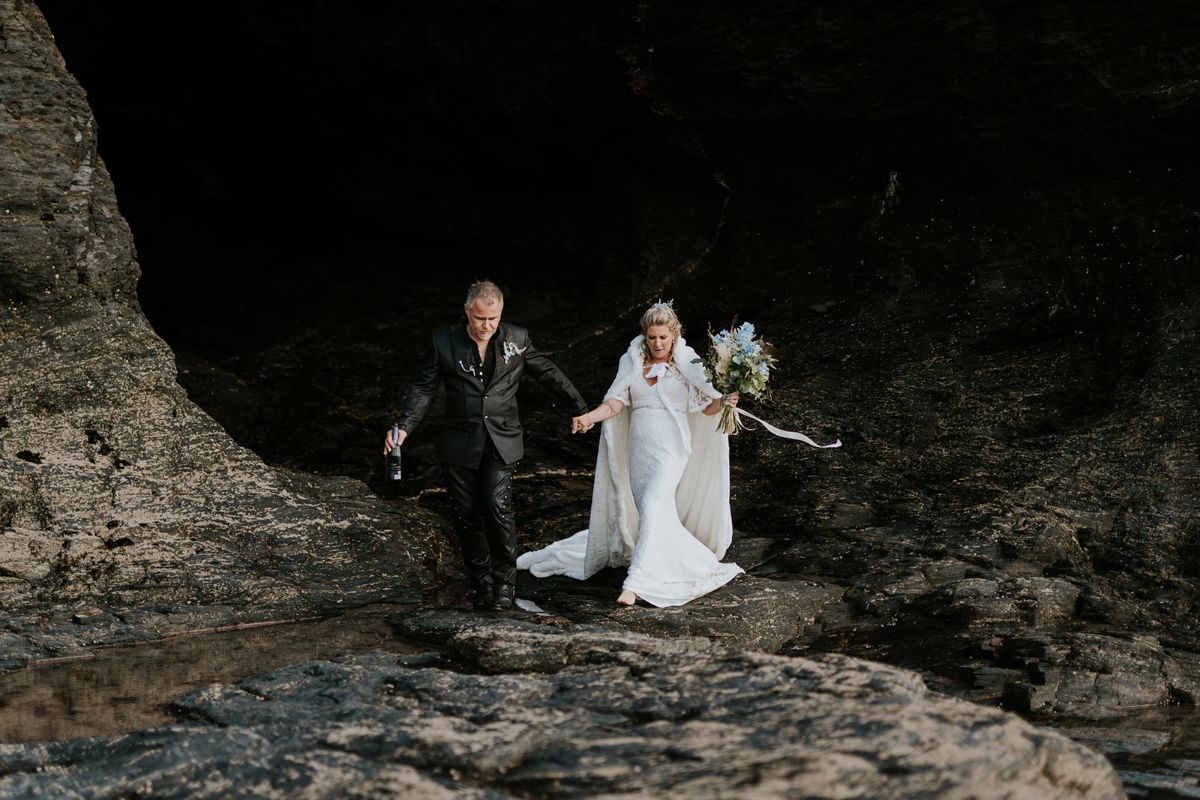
pixel 659 340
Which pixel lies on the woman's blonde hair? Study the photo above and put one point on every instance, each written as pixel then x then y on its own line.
pixel 661 314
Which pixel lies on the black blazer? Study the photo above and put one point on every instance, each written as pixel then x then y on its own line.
pixel 475 412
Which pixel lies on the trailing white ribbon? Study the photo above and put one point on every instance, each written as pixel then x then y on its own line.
pixel 799 437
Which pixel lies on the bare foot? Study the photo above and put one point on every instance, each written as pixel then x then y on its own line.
pixel 626 598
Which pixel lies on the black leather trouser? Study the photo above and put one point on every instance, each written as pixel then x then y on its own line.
pixel 489 551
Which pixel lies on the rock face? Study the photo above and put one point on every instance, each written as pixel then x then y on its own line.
pixel 115 490
pixel 533 711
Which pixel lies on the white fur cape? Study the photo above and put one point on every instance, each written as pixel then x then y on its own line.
pixel 702 497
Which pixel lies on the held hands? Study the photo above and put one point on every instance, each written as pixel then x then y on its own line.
pixel 732 398
pixel 606 410
pixel 388 444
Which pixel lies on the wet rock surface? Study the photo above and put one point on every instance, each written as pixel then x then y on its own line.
pixel 537 711
pixel 118 690
pixel 1153 751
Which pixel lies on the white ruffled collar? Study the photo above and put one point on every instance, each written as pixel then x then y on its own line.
pixel 657 370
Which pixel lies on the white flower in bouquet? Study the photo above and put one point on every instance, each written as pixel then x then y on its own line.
pixel 724 357
pixel 738 361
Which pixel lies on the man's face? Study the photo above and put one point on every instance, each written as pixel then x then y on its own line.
pixel 483 317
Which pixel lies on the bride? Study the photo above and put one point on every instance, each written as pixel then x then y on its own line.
pixel 660 501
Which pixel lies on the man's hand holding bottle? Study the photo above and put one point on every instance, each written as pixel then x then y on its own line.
pixel 389 443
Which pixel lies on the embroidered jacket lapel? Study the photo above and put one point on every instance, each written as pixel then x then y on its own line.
pixel 464 358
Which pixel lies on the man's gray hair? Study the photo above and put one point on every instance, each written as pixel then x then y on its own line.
pixel 484 290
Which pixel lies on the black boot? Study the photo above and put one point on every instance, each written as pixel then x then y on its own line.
pixel 506 597
pixel 483 597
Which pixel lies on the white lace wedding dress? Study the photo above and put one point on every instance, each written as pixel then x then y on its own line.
pixel 668 564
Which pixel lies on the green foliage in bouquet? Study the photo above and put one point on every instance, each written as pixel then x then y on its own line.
pixel 738 361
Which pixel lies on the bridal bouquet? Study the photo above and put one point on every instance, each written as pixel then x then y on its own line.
pixel 738 361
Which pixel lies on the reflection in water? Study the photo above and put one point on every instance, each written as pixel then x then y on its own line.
pixel 125 689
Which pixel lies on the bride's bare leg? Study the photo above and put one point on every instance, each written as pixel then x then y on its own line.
pixel 626 598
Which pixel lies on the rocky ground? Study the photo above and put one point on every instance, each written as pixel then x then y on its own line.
pixel 516 709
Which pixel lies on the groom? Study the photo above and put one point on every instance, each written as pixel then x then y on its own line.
pixel 481 365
